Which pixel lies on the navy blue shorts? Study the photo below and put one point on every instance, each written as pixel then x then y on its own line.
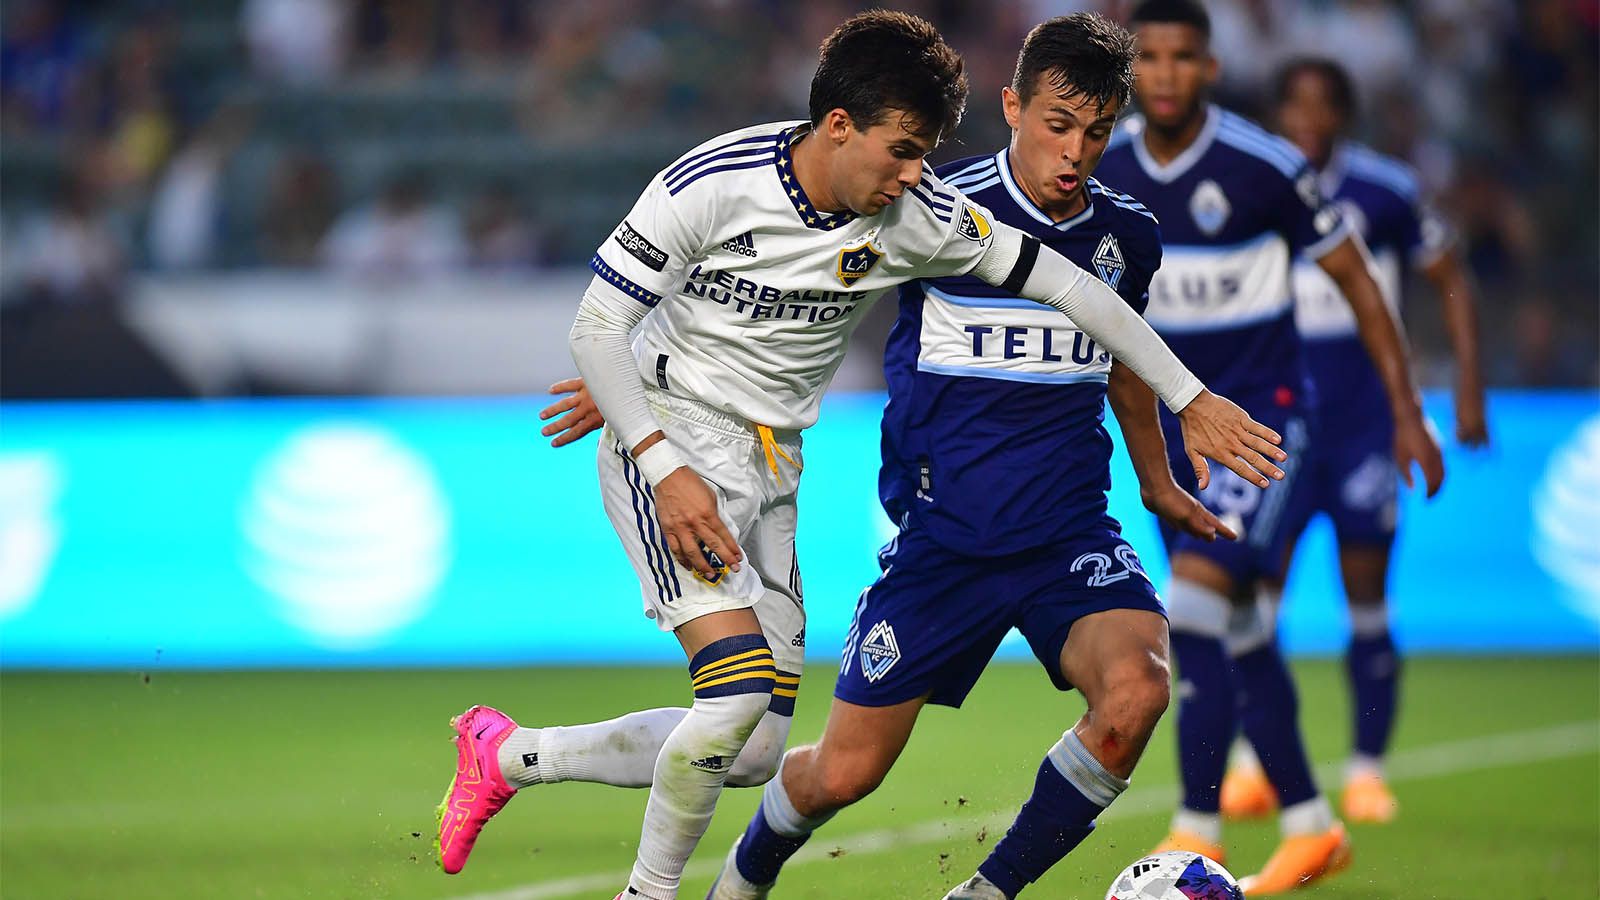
pixel 1269 520
pixel 932 621
pixel 1354 481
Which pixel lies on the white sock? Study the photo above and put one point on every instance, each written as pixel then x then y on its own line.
pixel 1205 825
pixel 781 814
pixel 689 775
pixel 1369 620
pixel 1362 764
pixel 733 679
pixel 622 752
pixel 1244 756
pixel 1312 816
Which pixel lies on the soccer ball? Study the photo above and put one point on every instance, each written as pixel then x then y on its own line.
pixel 1175 875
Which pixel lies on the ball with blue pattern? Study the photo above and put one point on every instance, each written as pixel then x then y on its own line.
pixel 1175 875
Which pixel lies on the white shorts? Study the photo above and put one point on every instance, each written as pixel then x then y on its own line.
pixel 756 505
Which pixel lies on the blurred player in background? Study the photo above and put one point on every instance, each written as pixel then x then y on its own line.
pixel 1351 468
pixel 1235 204
pixel 748 263
pixel 996 464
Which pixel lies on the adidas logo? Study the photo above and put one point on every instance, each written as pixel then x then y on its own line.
pixel 799 640
pixel 710 763
pixel 744 245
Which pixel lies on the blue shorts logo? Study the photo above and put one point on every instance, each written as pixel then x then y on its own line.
pixel 879 651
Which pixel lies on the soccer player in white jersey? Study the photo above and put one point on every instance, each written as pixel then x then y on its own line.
pixel 748 262
pixel 1354 483
pixel 1235 205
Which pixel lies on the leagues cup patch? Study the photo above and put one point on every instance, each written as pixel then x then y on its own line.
pixel 879 651
pixel 855 263
pixel 640 248
pixel 973 226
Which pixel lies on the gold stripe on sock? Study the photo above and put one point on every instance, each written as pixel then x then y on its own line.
pixel 712 667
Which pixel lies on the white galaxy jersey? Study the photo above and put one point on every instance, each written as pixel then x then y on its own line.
pixel 753 292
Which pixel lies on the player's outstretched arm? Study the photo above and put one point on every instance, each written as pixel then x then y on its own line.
pixel 1213 427
pixel 1413 439
pixel 1135 407
pixel 1459 297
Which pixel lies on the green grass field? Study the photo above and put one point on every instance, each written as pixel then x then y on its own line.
pixel 323 785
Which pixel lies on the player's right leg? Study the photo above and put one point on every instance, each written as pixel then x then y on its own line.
pixel 733 670
pixel 1372 664
pixel 1198 610
pixel 1362 494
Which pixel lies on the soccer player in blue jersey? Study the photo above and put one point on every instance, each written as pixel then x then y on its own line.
pixel 1354 482
pixel 1235 204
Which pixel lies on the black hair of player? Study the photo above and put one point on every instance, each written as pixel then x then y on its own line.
pixel 1172 12
pixel 1082 55
pixel 881 61
pixel 1341 90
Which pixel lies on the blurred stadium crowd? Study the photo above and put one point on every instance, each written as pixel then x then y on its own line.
pixel 391 138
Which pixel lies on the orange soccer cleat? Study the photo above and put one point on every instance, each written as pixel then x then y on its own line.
pixel 1367 799
pixel 1247 794
pixel 1299 860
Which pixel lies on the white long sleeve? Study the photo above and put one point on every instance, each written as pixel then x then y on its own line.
pixel 602 349
pixel 1018 263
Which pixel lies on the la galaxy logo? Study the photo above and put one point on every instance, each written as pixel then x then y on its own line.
pixel 719 568
pixel 879 651
pixel 1209 207
pixel 856 262
pixel 1108 261
pixel 973 226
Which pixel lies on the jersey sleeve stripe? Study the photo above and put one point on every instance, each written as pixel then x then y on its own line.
pixel 942 211
pixel 736 153
pixel 688 161
pixel 979 170
pixel 1121 200
pixel 1261 145
pixel 1386 172
pixel 983 185
pixel 620 282
pixel 765 160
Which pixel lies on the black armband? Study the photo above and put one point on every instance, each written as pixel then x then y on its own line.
pixel 1024 266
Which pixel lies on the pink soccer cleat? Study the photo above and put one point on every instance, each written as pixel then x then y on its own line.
pixel 478 791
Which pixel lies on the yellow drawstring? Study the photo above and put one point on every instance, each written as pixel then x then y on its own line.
pixel 769 445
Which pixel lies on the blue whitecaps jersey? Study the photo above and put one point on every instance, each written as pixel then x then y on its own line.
pixel 1380 198
pixel 993 439
pixel 1234 208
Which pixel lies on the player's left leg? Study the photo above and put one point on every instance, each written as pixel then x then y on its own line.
pixel 1372 665
pixel 1118 660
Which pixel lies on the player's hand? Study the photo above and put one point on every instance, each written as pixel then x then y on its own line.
pixel 1180 508
pixel 582 416
pixel 1414 442
pixel 1472 425
pixel 687 508
pixel 1216 428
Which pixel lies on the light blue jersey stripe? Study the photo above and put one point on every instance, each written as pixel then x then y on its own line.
pixel 984 302
pixel 1011 375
